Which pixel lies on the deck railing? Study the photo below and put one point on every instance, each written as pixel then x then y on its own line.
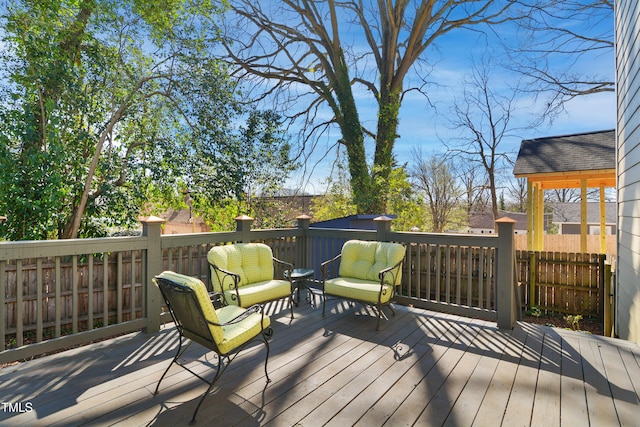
pixel 57 294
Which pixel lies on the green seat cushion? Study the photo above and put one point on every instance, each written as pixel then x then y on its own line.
pixel 239 333
pixel 255 293
pixel 358 289
pixel 226 337
pixel 253 262
pixel 364 260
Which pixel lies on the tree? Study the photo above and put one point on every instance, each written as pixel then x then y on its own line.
pixel 257 160
pixel 435 180
pixel 337 202
pixel 474 185
pixel 557 36
pixel 81 103
pixel 484 117
pixel 304 49
pixel 106 106
pixel 517 190
pixel 404 202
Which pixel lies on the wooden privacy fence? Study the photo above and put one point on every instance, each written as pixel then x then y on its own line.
pixel 554 282
pixel 61 296
pixel 565 283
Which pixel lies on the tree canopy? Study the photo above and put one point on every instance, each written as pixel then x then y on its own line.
pixel 106 106
pixel 331 54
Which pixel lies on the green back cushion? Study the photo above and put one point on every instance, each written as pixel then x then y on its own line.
pixel 364 260
pixel 253 262
pixel 200 291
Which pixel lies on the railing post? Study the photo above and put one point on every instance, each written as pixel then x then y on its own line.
pixel 505 274
pixel 383 224
pixel 302 241
pixel 243 226
pixel 152 230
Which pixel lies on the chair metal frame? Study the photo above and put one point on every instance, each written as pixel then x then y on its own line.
pixel 195 328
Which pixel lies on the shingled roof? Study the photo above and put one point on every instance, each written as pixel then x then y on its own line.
pixel 567 153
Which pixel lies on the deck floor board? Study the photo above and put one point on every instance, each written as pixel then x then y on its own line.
pixel 421 368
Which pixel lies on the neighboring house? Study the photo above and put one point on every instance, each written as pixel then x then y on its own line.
pixel 182 221
pixel 567 217
pixel 627 44
pixel 483 223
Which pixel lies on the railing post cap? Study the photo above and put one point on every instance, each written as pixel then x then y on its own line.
pixel 505 220
pixel 151 219
pixel 383 218
pixel 303 217
pixel 243 218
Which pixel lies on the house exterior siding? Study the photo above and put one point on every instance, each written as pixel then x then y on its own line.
pixel 627 24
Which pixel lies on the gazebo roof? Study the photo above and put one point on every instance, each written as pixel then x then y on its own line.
pixel 563 161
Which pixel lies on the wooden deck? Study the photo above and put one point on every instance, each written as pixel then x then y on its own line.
pixel 422 368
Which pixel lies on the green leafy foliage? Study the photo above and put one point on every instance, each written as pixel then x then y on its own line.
pixel 401 199
pixel 110 108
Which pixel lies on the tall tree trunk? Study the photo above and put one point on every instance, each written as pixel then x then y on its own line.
pixel 389 107
pixel 352 138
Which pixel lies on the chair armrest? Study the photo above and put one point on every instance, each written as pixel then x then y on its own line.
pixel 225 273
pixel 388 270
pixel 257 308
pixel 326 264
pixel 288 265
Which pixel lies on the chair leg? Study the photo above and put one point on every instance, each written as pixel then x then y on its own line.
pixel 324 302
pixel 393 313
pixel 291 305
pixel 211 384
pixel 266 359
pixel 175 358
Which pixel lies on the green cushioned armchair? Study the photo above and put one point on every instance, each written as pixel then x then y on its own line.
pixel 244 274
pixel 368 273
pixel 225 330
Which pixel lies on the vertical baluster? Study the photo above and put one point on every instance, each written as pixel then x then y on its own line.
pixel 39 301
pixel 119 285
pixel 438 261
pixel 58 299
pixel 469 276
pixel 418 270
pixel 481 276
pixel 428 269
pixel 458 275
pixel 74 294
pixel 132 303
pixel 105 289
pixel 90 292
pixel 447 266
pixel 19 306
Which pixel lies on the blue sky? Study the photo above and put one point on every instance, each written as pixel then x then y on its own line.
pixel 422 125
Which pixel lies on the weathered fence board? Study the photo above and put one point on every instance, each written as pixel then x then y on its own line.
pixel 569 283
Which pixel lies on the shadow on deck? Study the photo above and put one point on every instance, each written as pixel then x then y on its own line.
pixel 422 368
